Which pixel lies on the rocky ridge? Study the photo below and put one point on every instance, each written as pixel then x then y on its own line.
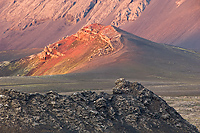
pixel 26 13
pixel 131 108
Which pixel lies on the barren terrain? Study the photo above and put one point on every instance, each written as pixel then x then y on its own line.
pixel 95 56
pixel 183 96
pixel 175 22
pixel 35 23
pixel 32 24
pixel 187 106
pixel 108 52
pixel 129 108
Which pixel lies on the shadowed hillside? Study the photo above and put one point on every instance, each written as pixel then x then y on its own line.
pixel 16 54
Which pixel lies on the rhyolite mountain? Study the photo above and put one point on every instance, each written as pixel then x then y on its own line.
pixel 108 51
pixel 33 24
pixel 130 108
pixel 69 54
pixel 175 22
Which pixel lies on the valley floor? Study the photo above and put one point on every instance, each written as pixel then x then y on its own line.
pixel 187 106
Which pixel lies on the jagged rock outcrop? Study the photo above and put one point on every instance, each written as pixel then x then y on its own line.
pixel 48 53
pixel 106 35
pixel 26 13
pixel 179 2
pixel 131 108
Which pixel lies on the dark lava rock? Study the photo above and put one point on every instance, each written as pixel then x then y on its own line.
pixel 131 108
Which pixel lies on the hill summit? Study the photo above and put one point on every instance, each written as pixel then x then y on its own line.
pixel 131 108
pixel 69 53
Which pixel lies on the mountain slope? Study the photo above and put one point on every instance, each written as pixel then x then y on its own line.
pixel 34 23
pixel 16 54
pixel 110 52
pixel 175 22
pixel 70 52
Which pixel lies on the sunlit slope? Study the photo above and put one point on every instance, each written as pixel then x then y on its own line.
pixel 141 58
pixel 35 23
pixel 175 22
pixel 108 52
pixel 67 54
pixel 16 54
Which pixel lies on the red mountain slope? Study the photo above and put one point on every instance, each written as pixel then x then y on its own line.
pixel 108 52
pixel 71 52
pixel 35 23
pixel 174 22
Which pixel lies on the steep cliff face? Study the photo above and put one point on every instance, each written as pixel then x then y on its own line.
pixel 131 108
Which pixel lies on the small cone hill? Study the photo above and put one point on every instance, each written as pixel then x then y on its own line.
pixel 107 50
pixel 65 55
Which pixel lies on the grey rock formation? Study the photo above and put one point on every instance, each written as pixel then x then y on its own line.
pixel 131 108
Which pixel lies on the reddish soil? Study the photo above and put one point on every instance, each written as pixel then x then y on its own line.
pixel 69 54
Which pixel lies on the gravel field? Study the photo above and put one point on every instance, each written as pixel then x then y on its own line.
pixel 187 106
